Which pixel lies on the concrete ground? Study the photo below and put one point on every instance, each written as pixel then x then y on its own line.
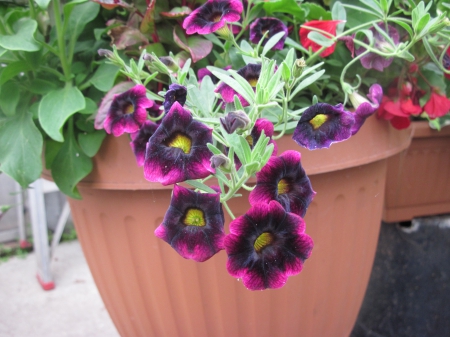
pixel 73 309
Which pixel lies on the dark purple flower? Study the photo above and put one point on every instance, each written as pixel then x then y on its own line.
pixel 193 224
pixel 127 111
pixel 251 73
pixel 266 246
pixel 283 179
pixel 212 16
pixel 140 140
pixel 176 93
pixel 375 61
pixel 261 25
pixel 364 108
pixel 154 111
pixel 322 125
pixel 177 150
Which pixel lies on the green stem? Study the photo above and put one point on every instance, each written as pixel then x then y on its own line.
pixel 227 208
pixel 61 43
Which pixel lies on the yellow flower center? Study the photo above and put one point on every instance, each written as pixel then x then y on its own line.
pixel 194 217
pixel 263 241
pixel 249 140
pixel 181 141
pixel 318 121
pixel 253 82
pixel 129 109
pixel 283 186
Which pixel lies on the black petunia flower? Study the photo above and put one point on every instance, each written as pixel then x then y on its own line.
pixel 322 125
pixel 271 25
pixel 177 150
pixel 283 179
pixel 193 224
pixel 176 93
pixel 266 246
pixel 127 111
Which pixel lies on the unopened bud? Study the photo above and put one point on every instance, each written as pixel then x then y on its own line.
pixel 105 53
pixel 235 120
pixel 169 62
pixel 220 160
pixel 357 99
pixel 298 67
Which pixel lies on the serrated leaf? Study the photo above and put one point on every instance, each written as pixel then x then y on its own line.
pixel 70 165
pixel 56 107
pixel 90 142
pixel 20 148
pixel 104 77
pixel 23 37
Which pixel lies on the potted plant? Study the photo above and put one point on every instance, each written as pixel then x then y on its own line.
pixel 213 103
pixel 51 80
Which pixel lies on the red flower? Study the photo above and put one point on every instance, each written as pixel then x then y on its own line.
pixel 328 26
pixel 399 111
pixel 437 105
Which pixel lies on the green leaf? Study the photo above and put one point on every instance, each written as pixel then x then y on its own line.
pixel 247 151
pixel 90 107
pixel 56 107
pixel 20 148
pixel 213 149
pixel 71 165
pixel 52 148
pixel 22 39
pixel 272 42
pixel 81 15
pixel 223 76
pixel 320 39
pixel 251 168
pixel 13 69
pixel 9 98
pixel 104 77
pixel 338 13
pixel 42 87
pixel 308 81
pixel 200 186
pixel 90 142
pixel 406 27
pixel 43 4
pixel 285 6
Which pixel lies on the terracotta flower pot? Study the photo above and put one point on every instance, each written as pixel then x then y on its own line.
pixel 418 179
pixel 149 290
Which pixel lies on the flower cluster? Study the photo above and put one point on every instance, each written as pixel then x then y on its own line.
pixel 240 75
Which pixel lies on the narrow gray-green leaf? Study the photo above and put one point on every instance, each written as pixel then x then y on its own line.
pixel 272 42
pixel 232 83
pixel 56 107
pixel 308 81
pixel 200 186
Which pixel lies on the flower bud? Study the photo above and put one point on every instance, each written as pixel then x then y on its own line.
pixel 235 120
pixel 169 62
pixel 105 53
pixel 220 160
pixel 357 99
pixel 298 67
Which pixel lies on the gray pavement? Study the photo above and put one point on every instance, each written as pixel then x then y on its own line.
pixel 73 309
